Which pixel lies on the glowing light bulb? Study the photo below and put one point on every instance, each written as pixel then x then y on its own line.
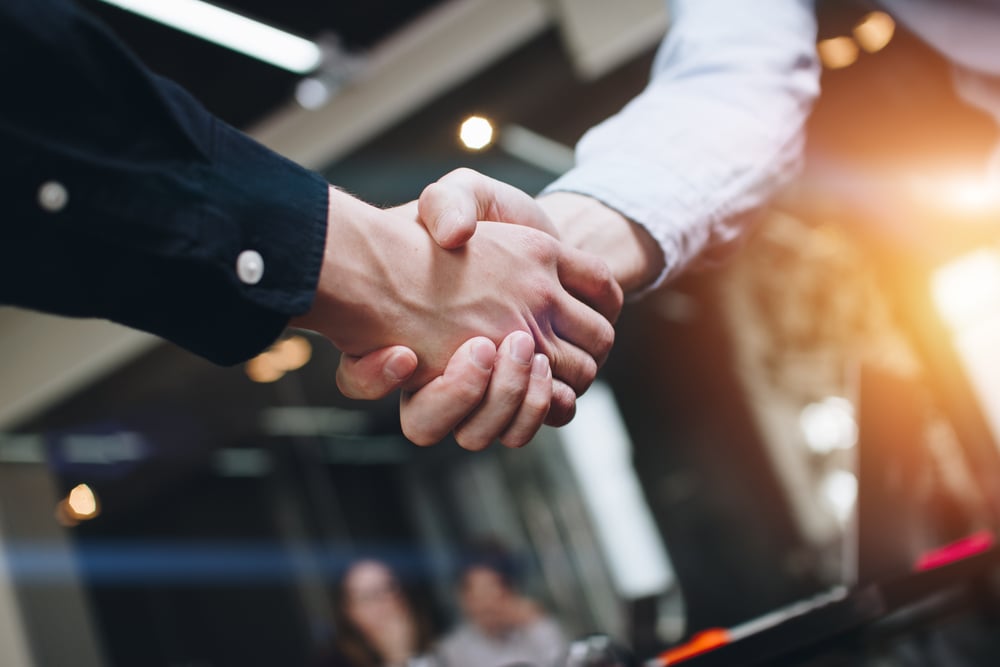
pixel 476 133
pixel 82 503
pixel 829 425
pixel 967 289
pixel 837 52
pixel 262 369
pixel 291 354
pixel 875 31
pixel 840 491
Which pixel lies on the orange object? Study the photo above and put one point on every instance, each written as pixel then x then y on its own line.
pixel 703 642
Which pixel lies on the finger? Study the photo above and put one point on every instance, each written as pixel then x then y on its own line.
pixel 376 374
pixel 577 325
pixel 588 278
pixel 563 407
pixel 507 389
pixel 451 207
pixel 433 411
pixel 534 408
pixel 577 340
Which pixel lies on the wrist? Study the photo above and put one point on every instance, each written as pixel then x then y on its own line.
pixel 634 256
pixel 355 274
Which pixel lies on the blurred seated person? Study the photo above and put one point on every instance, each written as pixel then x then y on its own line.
pixel 502 628
pixel 377 622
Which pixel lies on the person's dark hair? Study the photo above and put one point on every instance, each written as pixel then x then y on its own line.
pixel 490 555
pixel 350 643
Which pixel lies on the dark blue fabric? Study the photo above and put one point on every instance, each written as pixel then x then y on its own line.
pixel 163 197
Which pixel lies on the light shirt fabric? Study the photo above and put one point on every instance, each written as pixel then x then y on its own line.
pixel 540 644
pixel 720 127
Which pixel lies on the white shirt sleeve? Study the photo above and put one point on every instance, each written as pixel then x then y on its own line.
pixel 717 130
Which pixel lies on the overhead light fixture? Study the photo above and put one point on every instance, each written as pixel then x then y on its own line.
pixel 476 133
pixel 837 52
pixel 233 31
pixel 289 354
pixel 967 289
pixel 829 425
pixel 80 505
pixel 839 490
pixel 875 31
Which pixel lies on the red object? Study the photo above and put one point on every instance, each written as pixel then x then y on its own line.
pixel 964 548
pixel 703 642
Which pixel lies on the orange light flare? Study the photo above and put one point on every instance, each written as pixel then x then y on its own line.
pixel 966 203
pixel 875 31
pixel 837 52
pixel 289 354
pixel 80 505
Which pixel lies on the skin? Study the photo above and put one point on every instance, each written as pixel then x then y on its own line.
pixel 451 209
pixel 419 307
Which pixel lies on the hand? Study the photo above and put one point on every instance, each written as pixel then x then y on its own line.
pixel 385 277
pixel 451 208
pixel 518 394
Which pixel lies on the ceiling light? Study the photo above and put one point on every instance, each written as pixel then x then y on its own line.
pixel 262 369
pixel 840 492
pixel 81 504
pixel 239 33
pixel 875 31
pixel 838 52
pixel 291 353
pixel 829 425
pixel 476 133
pixel 967 289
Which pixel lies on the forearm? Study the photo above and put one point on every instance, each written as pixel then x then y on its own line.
pixel 163 198
pixel 634 256
pixel 715 133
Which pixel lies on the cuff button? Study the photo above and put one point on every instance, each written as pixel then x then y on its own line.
pixel 250 267
pixel 52 196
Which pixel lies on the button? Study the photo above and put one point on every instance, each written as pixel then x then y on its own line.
pixel 250 267
pixel 52 196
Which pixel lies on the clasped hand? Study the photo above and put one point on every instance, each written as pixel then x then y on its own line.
pixel 489 328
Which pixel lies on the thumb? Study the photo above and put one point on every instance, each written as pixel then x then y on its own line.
pixel 376 374
pixel 451 207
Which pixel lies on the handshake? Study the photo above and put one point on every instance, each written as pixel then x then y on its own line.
pixel 491 310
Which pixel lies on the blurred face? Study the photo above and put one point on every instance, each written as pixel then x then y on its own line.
pixel 372 598
pixel 487 601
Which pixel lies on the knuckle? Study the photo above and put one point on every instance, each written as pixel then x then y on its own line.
pixel 468 392
pixel 605 340
pixel 432 195
pixel 507 389
pixel 536 406
pixel 470 441
pixel 602 274
pixel 586 376
pixel 515 440
pixel 461 173
pixel 540 246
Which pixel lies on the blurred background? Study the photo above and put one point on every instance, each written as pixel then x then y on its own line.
pixel 158 510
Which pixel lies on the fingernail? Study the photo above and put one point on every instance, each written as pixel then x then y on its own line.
pixel 399 367
pixel 540 366
pixel 483 354
pixel 522 347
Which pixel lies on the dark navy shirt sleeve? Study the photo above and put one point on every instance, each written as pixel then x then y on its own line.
pixel 122 198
